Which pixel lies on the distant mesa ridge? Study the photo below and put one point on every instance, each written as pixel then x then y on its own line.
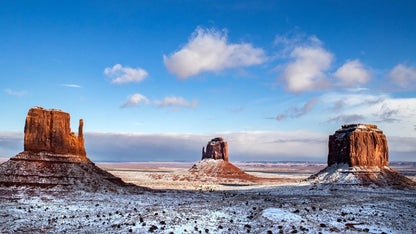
pixel 55 156
pixel 358 155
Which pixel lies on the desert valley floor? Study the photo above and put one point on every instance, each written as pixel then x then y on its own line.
pixel 176 204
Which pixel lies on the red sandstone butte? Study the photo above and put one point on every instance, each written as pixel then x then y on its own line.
pixel 358 145
pixel 49 131
pixel 217 149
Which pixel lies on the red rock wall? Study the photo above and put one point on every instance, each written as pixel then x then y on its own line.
pixel 358 145
pixel 49 130
pixel 217 149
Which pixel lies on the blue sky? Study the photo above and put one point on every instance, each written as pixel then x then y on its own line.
pixel 287 73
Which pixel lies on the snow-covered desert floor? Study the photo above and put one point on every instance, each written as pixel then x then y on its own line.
pixel 280 208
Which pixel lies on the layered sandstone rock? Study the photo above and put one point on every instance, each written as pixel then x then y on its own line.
pixel 358 145
pixel 358 155
pixel 54 156
pixel 215 164
pixel 216 149
pixel 49 131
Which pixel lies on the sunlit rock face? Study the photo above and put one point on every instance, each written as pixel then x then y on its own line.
pixel 216 149
pixel 49 131
pixel 358 145
pixel 358 155
pixel 215 164
pixel 54 156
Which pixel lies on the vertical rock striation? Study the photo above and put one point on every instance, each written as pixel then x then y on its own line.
pixel 358 145
pixel 49 131
pixel 358 155
pixel 215 166
pixel 55 156
pixel 216 149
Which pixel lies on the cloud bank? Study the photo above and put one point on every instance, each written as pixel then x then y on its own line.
pixel 121 75
pixel 208 50
pixel 255 145
pixel 298 145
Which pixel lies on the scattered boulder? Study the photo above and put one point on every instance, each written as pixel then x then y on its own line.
pixel 358 155
pixel 54 157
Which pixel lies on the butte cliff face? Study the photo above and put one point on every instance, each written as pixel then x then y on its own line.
pixel 215 165
pixel 49 131
pixel 358 155
pixel 358 145
pixel 54 156
pixel 216 149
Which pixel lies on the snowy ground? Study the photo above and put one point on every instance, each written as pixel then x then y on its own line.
pixel 210 208
pixel 284 209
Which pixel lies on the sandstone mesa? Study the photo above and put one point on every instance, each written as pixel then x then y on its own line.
pixel 54 156
pixel 358 155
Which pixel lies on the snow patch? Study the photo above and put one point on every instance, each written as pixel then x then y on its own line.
pixel 277 214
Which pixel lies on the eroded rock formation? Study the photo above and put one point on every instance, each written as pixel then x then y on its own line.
pixel 216 149
pixel 358 145
pixel 49 131
pixel 358 155
pixel 54 156
pixel 215 164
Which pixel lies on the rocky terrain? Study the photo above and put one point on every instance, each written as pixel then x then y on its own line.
pixel 290 208
pixel 54 156
pixel 52 187
pixel 358 155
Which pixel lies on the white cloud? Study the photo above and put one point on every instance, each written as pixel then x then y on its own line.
pixel 135 100
pixel 121 75
pixel 352 73
pixel 307 71
pixel 403 75
pixel 394 115
pixel 176 102
pixel 71 85
pixel 208 50
pixel 15 93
